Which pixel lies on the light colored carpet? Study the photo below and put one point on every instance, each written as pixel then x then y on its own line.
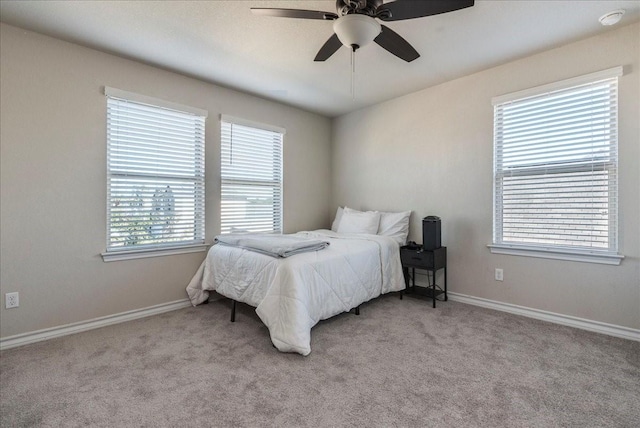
pixel 400 363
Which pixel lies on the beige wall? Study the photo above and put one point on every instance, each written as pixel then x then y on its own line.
pixel 53 179
pixel 431 152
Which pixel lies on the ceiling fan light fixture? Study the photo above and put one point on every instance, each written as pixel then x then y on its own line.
pixel 612 18
pixel 356 30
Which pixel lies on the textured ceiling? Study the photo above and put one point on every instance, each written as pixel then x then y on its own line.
pixel 224 43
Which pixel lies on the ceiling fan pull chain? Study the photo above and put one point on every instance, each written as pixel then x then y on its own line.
pixel 353 74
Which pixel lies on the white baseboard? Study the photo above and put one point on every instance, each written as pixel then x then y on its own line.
pixel 64 330
pixel 581 323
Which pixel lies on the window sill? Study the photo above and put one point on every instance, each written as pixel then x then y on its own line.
pixel 557 254
pixel 115 256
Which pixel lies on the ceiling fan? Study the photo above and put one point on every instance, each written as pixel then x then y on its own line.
pixel 355 22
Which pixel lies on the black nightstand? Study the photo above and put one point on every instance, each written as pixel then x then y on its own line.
pixel 429 260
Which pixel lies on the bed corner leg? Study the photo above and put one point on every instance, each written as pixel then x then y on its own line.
pixel 233 311
pixel 358 310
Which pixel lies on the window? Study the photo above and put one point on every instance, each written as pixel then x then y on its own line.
pixel 556 170
pixel 251 176
pixel 155 177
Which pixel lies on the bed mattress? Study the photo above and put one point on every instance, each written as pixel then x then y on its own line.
pixel 293 294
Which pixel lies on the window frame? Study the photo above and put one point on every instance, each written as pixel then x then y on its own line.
pixel 116 253
pixel 251 181
pixel 551 251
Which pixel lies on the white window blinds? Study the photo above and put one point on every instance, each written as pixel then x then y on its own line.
pixel 556 165
pixel 155 173
pixel 251 177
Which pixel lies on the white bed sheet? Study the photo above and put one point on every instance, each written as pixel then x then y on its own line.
pixel 293 294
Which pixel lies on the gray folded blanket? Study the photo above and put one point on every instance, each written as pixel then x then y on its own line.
pixel 272 245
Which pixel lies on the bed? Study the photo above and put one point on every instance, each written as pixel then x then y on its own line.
pixel 293 294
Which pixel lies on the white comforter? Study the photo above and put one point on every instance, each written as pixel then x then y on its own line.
pixel 291 295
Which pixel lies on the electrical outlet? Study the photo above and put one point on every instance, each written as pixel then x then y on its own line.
pixel 499 275
pixel 11 300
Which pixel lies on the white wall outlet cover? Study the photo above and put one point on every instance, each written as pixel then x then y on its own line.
pixel 11 300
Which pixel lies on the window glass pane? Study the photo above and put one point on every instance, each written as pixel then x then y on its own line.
pixel 556 168
pixel 251 175
pixel 155 176
pixel 557 209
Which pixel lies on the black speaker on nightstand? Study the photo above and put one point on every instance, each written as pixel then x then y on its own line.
pixel 431 233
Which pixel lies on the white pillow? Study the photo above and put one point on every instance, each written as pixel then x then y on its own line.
pixel 359 222
pixel 351 210
pixel 336 220
pixel 395 225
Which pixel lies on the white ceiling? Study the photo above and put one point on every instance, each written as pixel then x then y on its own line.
pixel 224 43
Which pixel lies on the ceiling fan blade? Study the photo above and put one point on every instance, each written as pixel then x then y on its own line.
pixel 394 43
pixel 409 9
pixel 329 48
pixel 295 13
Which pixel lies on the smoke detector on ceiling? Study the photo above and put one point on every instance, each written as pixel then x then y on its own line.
pixel 612 18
